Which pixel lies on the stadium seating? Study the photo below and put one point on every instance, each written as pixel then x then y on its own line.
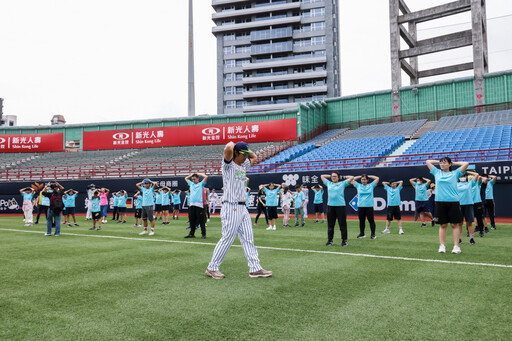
pixel 290 153
pixel 328 136
pixel 406 129
pixel 496 118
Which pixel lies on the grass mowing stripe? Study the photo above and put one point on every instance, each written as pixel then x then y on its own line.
pixel 281 249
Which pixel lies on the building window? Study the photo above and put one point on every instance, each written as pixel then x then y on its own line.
pixel 229 36
pixel 230 104
pixel 239 76
pixel 318 40
pixel 228 77
pixel 229 63
pixel 228 90
pixel 228 50
pixel 243 49
pixel 318 26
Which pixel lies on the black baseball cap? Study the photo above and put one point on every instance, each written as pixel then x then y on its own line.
pixel 242 147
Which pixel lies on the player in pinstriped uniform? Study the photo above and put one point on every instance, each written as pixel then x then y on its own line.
pixel 234 214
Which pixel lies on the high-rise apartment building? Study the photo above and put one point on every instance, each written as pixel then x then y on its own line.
pixel 272 54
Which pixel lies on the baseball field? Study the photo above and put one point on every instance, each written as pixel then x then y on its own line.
pixel 116 285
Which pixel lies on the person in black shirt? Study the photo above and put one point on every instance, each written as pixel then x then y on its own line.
pixel 262 206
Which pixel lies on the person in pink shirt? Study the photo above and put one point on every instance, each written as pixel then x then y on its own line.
pixel 104 204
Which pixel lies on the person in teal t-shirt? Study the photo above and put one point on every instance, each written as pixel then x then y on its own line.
pixel 318 202
pixel 299 198
pixel 465 188
pixel 393 189
pixel 28 205
pixel 137 197
pixel 365 202
pixel 336 210
pixel 489 181
pixel 421 185
pixel 69 201
pixel 447 199
pixel 272 192
pixel 96 210
pixel 147 188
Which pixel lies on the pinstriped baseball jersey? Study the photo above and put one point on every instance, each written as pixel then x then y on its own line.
pixel 233 178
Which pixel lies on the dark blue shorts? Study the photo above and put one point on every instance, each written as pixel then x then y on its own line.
pixel 422 206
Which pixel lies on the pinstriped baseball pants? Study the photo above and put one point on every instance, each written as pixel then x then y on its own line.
pixel 235 219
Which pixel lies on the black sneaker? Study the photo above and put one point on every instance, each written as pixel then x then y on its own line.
pixel 344 243
pixel 481 234
pixel 492 227
pixel 296 225
pixel 423 225
pixel 373 236
pixel 92 229
pixel 189 236
pixel 124 222
pixel 467 234
pixel 361 236
pixel 433 223
pixel 472 241
pixel 302 225
pixel 328 244
pixel 460 241
pixel 76 224
pixel 99 228
pixel 119 222
pixel 316 221
pixel 486 230
pixel 203 237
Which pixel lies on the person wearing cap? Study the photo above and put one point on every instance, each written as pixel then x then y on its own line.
pixel 196 214
pixel 235 218
pixel 147 191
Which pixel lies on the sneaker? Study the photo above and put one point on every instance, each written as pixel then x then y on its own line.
pixel 190 236
pixel 423 225
pixel 493 227
pixel 328 244
pixel 47 234
pixel 203 237
pixel 56 235
pixel 486 230
pixel 386 231
pixel 134 225
pixel 151 233
pixel 456 249
pixel 297 225
pixel 143 233
pixel 69 225
pixel 361 236
pixel 317 221
pixel 76 224
pixel 302 225
pixel 401 231
pixel 442 248
pixel 214 274
pixel 26 225
pixel 99 228
pixel 269 228
pixel 255 224
pixel 481 234
pixel 472 241
pixel 373 236
pixel 139 225
pixel 460 241
pixel 323 221
pixel 92 229
pixel 274 228
pixel 260 273
pixel 119 222
pixel 433 223
pixel 344 243
pixel 124 222
pixel 208 220
pixel 467 234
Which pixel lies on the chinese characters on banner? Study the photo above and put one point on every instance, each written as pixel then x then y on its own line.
pixel 260 131
pixel 30 143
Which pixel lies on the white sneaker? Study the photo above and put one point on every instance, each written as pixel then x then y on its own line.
pixel 401 231
pixel 269 228
pixel 274 228
pixel 456 249
pixel 143 233
pixel 26 225
pixel 139 225
pixel 208 220
pixel 386 231
pixel 151 233
pixel 442 248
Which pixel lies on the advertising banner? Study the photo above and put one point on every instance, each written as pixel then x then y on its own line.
pixel 207 134
pixel 30 143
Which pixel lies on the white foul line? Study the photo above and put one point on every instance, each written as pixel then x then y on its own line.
pixel 277 249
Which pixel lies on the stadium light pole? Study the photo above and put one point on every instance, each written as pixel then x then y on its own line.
pixel 191 85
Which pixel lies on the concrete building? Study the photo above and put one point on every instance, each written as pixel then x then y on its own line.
pixel 272 54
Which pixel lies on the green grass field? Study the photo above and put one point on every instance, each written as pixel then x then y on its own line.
pixel 77 287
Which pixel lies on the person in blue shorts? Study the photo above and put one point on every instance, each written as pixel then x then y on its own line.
pixel 272 192
pixel 394 202
pixel 70 203
pixel 447 199
pixel 365 203
pixel 465 188
pixel 489 181
pixel 421 186
pixel 336 209
pixel 176 202
pixel 318 201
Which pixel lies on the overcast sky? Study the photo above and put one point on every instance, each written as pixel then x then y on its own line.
pixel 108 60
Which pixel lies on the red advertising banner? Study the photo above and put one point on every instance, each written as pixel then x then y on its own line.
pixel 30 143
pixel 193 135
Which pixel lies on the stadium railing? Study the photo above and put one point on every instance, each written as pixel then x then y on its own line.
pixel 178 168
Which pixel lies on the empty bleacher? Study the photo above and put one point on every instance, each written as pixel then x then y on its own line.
pixel 407 129
pixel 328 136
pixel 495 118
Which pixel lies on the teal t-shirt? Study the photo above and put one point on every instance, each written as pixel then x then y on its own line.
pixel 165 198
pixel 116 200
pixel 147 196
pixel 446 184
pixel 158 198
pixel 271 196
pixel 319 196
pixel 335 192
pixel 393 195
pixel 196 191
pixel 138 202
pixel 299 199
pixel 365 194
pixel 477 186
pixel 95 204
pixel 121 201
pixel 28 196
pixel 489 193
pixel 421 192
pixel 70 200
pixel 465 192
pixel 176 199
